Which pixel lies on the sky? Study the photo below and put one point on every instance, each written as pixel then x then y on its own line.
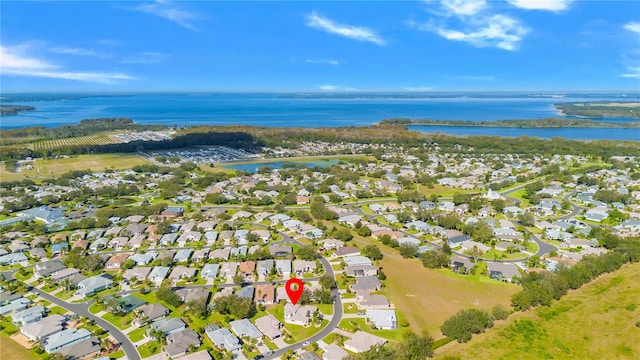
pixel 330 46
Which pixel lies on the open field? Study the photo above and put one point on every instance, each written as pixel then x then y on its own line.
pixel 443 191
pixel 47 168
pixel 429 297
pixel 597 321
pixel 96 139
pixel 11 350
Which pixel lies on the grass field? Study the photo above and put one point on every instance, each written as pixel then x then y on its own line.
pixel 11 350
pixel 597 321
pixel 48 168
pixel 96 139
pixel 443 191
pixel 429 297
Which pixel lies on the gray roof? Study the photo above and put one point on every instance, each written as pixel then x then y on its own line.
pixel 366 283
pixel 222 337
pixel 168 325
pixel 244 327
pixel 64 338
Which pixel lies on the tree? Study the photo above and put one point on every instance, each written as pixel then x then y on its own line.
pixel 306 253
pixel 238 279
pixel 415 347
pixel 238 307
pixel 343 235
pixel 526 219
pixel 499 312
pixel 128 264
pixel 322 296
pixel 327 281
pixel 167 295
pixel 498 205
pixel 465 323
pixel 372 252
pixel 408 251
pixel 434 259
pixel 381 275
pixel 364 231
pixel 199 307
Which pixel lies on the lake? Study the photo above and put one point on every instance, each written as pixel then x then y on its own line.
pixel 278 110
pixel 253 167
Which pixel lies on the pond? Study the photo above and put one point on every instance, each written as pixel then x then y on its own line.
pixel 253 167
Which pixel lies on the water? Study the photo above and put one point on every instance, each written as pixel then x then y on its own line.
pixel 277 110
pixel 545 133
pixel 253 167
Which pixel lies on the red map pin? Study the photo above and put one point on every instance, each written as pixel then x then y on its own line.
pixel 294 288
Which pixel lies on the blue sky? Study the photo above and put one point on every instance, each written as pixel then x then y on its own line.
pixel 433 45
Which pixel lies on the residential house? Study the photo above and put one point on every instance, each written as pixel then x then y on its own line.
pixel 228 269
pixel 365 301
pixel 45 269
pixel 157 274
pixel 361 270
pixel 334 352
pixel 136 273
pixel 303 266
pixel 346 251
pixel 46 326
pixel 244 327
pixel 265 294
pixel 178 343
pixel 269 326
pixel 85 349
pixel 93 285
pixel 188 295
pixel 142 259
pixel 461 265
pixel 299 314
pixel 116 260
pixel 264 267
pixel 356 260
pixel 280 250
pixel 247 268
pixel 64 338
pixel 222 338
pixel 210 271
pixel 167 326
pixel 504 272
pixel 367 283
pixel 283 267
pixel 182 272
pixel 182 255
pixel 383 319
pixel 149 313
pixel 362 341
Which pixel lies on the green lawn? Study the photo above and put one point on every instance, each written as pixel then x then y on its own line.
pixel 11 350
pixel 117 355
pixel 149 349
pixel 519 194
pixel 57 310
pixel 137 334
pixel 122 322
pixel 326 309
pixel 95 308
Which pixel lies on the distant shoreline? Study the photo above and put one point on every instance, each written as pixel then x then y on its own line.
pixel 14 109
pixel 532 124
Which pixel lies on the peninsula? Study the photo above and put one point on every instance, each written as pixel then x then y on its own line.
pixel 601 109
pixel 14 109
pixel 535 123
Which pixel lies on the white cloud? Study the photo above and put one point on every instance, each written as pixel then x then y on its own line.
pixel 15 62
pixel 473 22
pixel 633 72
pixel 498 31
pixel 146 57
pixel 633 26
pixel 464 7
pixel 353 32
pixel 323 61
pixel 165 10
pixel 75 51
pixel 550 5
pixel 331 87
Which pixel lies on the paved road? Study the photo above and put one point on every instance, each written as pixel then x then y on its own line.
pixel 82 309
